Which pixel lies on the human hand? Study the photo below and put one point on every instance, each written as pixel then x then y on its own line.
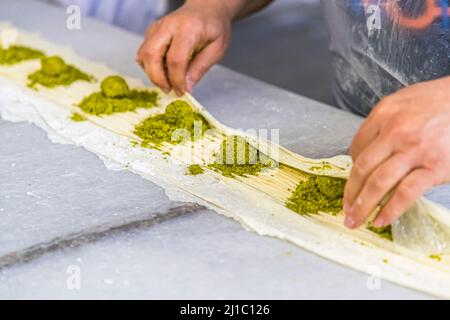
pixel 404 146
pixel 181 47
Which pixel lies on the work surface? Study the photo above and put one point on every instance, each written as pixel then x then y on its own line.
pixel 62 212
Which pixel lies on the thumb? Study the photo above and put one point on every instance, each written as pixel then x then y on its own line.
pixel 202 62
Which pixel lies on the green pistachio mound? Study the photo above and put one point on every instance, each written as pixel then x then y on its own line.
pixel 383 232
pixel 115 87
pixel 78 117
pixel 178 123
pixel 238 158
pixel 194 169
pixel 55 72
pixel 436 257
pixel 322 193
pixel 317 193
pixel 52 66
pixel 17 54
pixel 115 96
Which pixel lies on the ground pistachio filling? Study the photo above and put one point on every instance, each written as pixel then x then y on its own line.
pixel 178 123
pixel 317 193
pixel 237 157
pixel 324 194
pixel 194 170
pixel 115 96
pixel 55 72
pixel 16 54
pixel 383 232
pixel 77 117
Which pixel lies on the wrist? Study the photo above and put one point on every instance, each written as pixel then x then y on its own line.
pixel 229 8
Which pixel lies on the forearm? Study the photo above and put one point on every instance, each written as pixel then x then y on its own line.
pixel 181 47
pixel 235 9
pixel 250 7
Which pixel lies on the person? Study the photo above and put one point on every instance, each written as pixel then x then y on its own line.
pixel 133 15
pixel 391 62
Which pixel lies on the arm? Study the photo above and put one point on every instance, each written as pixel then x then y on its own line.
pixel 251 7
pixel 181 47
pixel 237 8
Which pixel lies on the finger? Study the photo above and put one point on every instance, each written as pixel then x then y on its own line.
pixel 158 75
pixel 178 57
pixel 152 55
pixel 382 180
pixel 152 60
pixel 202 62
pixel 410 189
pixel 366 133
pixel 150 33
pixel 141 64
pixel 371 127
pixel 153 28
pixel 370 158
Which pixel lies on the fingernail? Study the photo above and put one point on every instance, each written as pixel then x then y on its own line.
pixel 379 223
pixel 349 222
pixel 189 84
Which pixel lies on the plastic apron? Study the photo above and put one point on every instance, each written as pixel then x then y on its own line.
pixel 380 46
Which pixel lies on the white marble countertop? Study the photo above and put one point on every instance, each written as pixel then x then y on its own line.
pixel 61 210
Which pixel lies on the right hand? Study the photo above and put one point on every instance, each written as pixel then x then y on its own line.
pixel 180 48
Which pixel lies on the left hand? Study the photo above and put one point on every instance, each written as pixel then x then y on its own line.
pixel 403 145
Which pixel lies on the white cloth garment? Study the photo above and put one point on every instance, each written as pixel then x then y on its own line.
pixel 133 15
